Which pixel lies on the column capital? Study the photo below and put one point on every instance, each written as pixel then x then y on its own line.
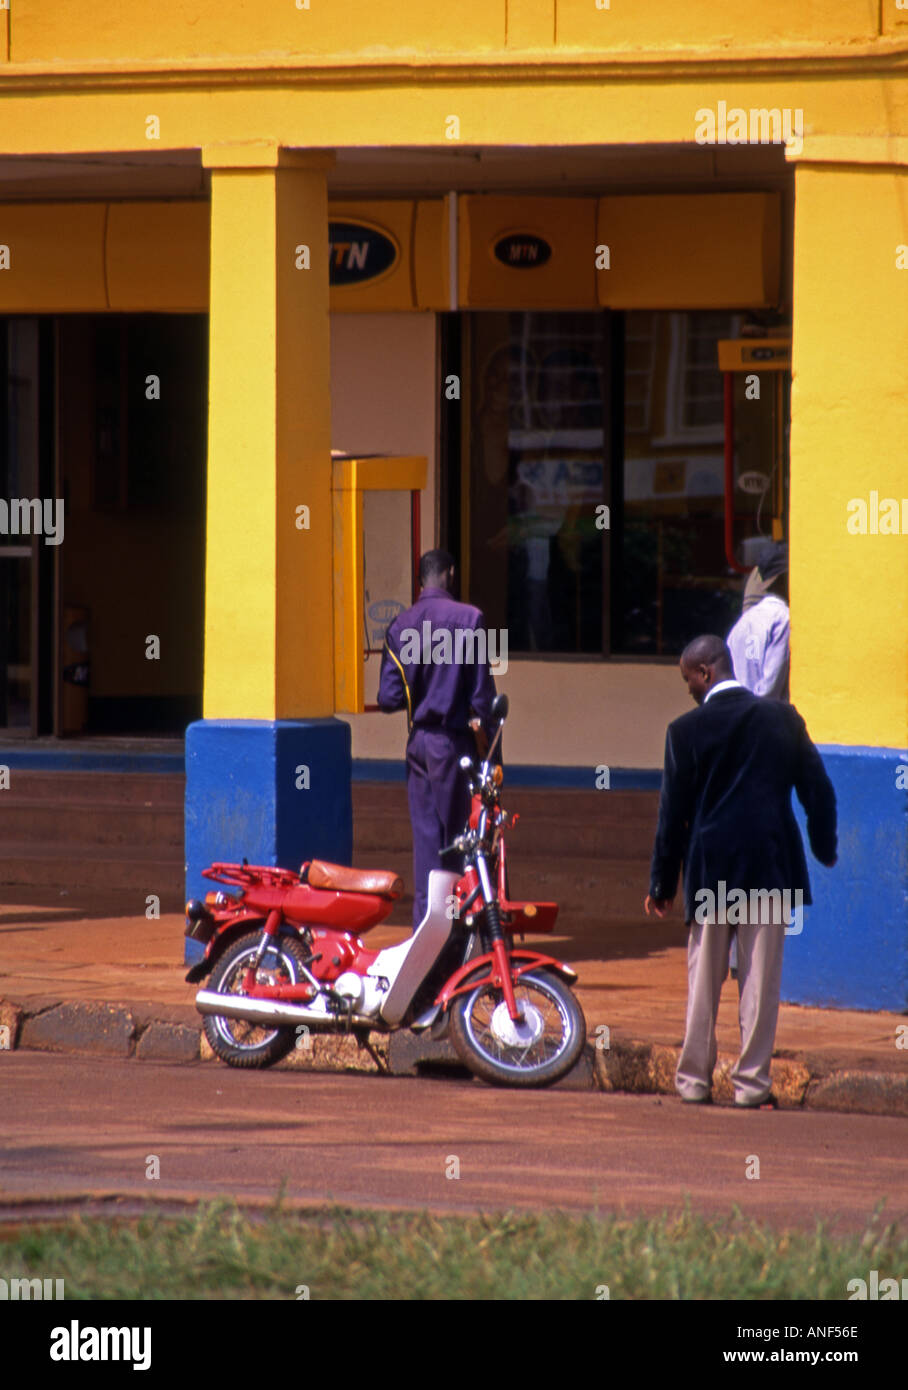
pixel 264 154
pixel 850 149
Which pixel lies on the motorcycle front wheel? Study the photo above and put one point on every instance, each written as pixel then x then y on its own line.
pixel 236 1041
pixel 535 1052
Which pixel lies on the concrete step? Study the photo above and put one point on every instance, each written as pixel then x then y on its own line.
pixel 142 870
pixel 91 822
pixel 149 789
pixel 590 889
pixel 576 824
pixel 97 830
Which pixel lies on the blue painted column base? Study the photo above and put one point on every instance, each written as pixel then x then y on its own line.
pixel 275 792
pixel 853 950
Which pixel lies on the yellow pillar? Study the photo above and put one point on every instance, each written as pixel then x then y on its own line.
pixel 849 584
pixel 268 768
pixel 849 440
pixel 268 582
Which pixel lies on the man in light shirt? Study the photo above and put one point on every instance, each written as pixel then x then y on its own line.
pixel 758 642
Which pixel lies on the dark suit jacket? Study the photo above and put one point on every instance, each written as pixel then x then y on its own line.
pixel 725 809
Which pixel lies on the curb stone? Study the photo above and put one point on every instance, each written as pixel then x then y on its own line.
pixel 864 1092
pixel 168 1042
pixel 10 1021
pixel 628 1066
pixel 649 1068
pixel 98 1028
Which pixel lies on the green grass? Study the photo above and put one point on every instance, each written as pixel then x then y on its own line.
pixel 219 1252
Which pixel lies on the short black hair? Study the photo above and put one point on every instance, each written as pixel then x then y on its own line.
pixel 434 564
pixel 708 650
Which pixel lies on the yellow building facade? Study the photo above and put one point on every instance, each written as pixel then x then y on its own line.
pixel 570 202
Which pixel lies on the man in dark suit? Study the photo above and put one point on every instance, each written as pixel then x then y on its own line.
pixel 725 812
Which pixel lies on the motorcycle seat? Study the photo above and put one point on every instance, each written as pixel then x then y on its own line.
pixel 384 883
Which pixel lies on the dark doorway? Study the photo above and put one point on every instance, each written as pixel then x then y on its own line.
pixel 132 449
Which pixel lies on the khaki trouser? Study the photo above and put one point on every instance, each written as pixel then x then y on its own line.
pixel 759 982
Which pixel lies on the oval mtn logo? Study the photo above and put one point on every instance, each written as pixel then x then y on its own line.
pixel 358 252
pixel 522 250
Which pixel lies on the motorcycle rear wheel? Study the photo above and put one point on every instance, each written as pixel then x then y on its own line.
pixel 535 1053
pixel 240 1043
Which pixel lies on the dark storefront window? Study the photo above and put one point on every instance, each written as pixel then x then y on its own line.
pixel 671 576
pixel 571 413
pixel 539 468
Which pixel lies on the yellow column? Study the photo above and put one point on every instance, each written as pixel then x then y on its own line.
pixel 849 441
pixel 268 581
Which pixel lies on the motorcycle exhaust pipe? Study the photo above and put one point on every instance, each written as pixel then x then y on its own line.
pixel 273 1011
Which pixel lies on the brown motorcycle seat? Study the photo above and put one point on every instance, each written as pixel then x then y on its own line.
pixel 383 882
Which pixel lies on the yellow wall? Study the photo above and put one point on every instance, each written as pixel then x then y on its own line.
pixel 651 104
pixel 849 593
pixel 513 72
pixel 45 30
pixel 670 251
pixel 385 390
pixel 563 714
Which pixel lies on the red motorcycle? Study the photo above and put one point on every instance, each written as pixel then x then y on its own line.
pixel 286 957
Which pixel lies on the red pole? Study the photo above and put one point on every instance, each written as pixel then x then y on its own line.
pixel 414 541
pixel 729 423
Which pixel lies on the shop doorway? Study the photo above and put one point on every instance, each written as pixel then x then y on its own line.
pixel 101 627
pixel 132 464
pixel 29 522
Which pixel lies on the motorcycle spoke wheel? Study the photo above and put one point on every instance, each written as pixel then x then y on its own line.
pixel 532 1052
pixel 240 1042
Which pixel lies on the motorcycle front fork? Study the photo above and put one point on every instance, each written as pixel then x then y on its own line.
pixel 502 972
pixel 269 935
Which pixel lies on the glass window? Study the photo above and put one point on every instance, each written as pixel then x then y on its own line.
pixel 550 443
pixel 18 480
pixel 672 580
pixel 538 470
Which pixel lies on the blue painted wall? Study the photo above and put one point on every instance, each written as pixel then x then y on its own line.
pixel 853 950
pixel 245 795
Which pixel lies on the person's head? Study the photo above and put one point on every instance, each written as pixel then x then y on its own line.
pixel 436 570
pixel 704 663
pixel 769 575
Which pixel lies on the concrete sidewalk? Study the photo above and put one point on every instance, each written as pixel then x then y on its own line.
pixel 85 971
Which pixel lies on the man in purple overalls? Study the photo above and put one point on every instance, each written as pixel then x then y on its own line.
pixel 435 666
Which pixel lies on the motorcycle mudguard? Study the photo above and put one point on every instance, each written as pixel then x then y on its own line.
pixel 223 938
pixel 415 958
pixel 522 961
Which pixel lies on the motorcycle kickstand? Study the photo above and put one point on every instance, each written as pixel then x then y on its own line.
pixel 377 1058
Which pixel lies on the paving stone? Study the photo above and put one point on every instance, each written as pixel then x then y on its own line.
pixel 98 1028
pixel 408 1051
pixel 168 1042
pixel 10 1019
pixel 581 1077
pixel 646 1068
pixel 867 1093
